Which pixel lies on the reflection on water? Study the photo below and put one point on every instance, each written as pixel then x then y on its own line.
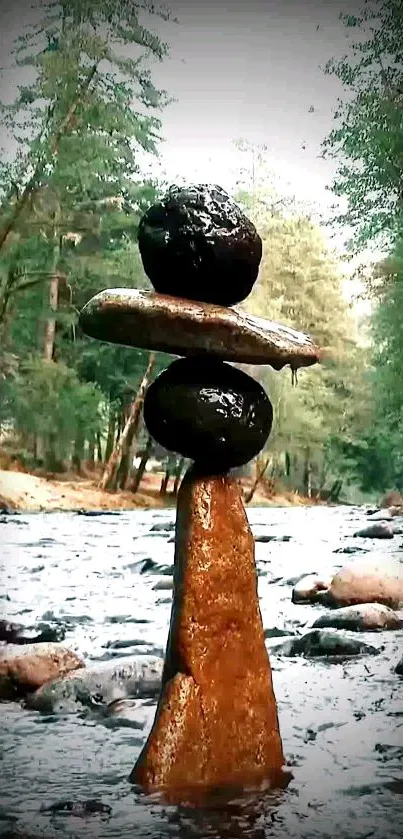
pixel 66 775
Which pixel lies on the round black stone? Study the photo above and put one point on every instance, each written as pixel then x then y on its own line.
pixel 208 411
pixel 197 243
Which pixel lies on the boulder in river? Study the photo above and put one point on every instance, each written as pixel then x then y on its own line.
pixel 366 581
pixel 163 585
pixel 24 669
pixel 364 617
pixel 310 588
pixel 6 506
pixel 391 499
pixel 78 808
pixel 126 712
pixel 16 633
pixel 399 667
pixel 100 684
pixel 381 515
pixel 321 643
pixel 379 530
pixel 216 722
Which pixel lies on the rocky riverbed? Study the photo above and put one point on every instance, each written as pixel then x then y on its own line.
pixel 105 581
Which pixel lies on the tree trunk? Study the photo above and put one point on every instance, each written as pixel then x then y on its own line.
pixel 99 448
pixel 110 476
pixel 50 325
pixel 178 475
pixel 170 467
pixel 91 453
pixel 126 470
pixel 165 480
pixel 78 453
pixel 260 470
pixel 142 466
pixel 111 433
pixel 307 474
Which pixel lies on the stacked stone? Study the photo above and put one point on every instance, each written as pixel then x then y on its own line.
pixel 216 723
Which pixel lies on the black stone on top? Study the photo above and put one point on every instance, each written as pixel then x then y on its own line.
pixel 198 244
pixel 208 411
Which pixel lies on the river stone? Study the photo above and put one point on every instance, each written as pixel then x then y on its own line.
pixel 100 684
pixel 216 722
pixel 381 515
pixel 399 667
pixel 197 243
pixel 366 581
pixel 310 588
pixel 391 499
pixel 206 410
pixel 362 618
pixel 26 668
pixel 318 643
pixel 183 327
pixel 15 633
pixel 380 530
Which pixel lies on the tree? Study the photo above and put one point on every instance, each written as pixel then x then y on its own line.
pixel 367 140
pixel 74 193
pixel 47 401
pixel 300 284
pixel 76 128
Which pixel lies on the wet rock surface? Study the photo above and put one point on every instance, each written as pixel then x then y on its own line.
pixel 197 243
pixel 182 327
pixel 340 719
pixel 204 409
pixel 216 722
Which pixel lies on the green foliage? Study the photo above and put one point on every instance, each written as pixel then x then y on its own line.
pixel 300 284
pixel 72 199
pixel 367 140
pixel 47 400
pixel 78 128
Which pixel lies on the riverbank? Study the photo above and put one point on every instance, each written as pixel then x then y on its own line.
pixel 27 492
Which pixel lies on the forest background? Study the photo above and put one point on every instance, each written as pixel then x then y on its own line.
pixel 86 136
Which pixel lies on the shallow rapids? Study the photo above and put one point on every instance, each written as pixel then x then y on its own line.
pixel 106 579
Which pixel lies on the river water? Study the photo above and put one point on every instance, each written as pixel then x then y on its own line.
pixel 341 722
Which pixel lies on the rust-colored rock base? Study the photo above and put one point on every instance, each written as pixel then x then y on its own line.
pixel 216 723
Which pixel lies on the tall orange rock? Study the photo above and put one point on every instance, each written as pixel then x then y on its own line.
pixel 216 723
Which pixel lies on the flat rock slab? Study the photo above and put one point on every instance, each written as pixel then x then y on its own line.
pixel 184 327
pixel 216 723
